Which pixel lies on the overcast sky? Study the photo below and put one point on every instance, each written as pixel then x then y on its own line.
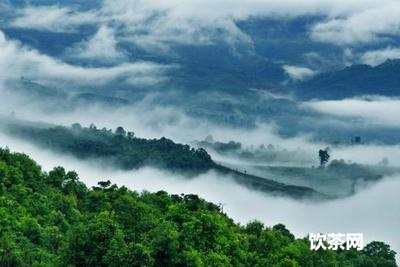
pixel 363 31
pixel 154 25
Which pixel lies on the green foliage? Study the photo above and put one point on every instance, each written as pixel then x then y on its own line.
pixel 55 220
pixel 122 149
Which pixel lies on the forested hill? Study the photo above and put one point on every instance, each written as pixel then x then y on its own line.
pixel 353 81
pixel 119 148
pixel 53 219
pixel 123 150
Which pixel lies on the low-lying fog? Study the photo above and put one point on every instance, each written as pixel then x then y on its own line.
pixel 148 121
pixel 373 212
pixel 375 109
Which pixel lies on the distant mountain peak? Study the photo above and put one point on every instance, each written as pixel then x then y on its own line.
pixel 352 81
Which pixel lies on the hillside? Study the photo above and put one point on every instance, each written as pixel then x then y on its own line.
pixel 119 148
pixel 123 150
pixel 352 81
pixel 55 220
pixel 299 167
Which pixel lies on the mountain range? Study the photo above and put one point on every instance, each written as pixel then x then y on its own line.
pixel 353 81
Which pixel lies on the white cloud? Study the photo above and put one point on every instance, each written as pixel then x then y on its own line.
pixel 201 22
pixel 103 46
pixel 150 121
pixel 361 27
pixel 298 73
pixel 17 61
pixel 376 110
pixel 51 18
pixel 373 211
pixel 379 56
pixel 154 24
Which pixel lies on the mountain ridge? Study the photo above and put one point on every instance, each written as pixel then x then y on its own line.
pixel 352 81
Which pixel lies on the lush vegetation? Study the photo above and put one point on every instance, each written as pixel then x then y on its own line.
pixel 121 148
pixel 52 219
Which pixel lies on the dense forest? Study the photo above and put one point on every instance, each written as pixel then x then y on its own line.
pixel 120 148
pixel 53 219
pixel 123 150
